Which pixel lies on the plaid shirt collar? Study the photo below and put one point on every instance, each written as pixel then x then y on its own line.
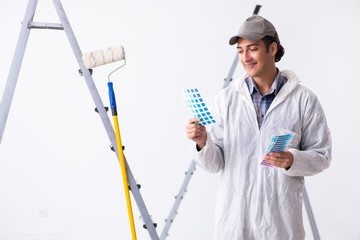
pixel 262 102
pixel 275 87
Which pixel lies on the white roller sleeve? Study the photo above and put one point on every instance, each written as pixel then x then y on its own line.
pixel 103 56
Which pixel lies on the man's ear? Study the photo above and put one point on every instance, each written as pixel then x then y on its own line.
pixel 273 49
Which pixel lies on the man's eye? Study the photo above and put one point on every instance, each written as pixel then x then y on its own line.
pixel 253 49
pixel 241 51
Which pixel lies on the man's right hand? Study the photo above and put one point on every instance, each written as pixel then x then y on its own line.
pixel 196 132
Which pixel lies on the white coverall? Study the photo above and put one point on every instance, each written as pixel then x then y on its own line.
pixel 255 201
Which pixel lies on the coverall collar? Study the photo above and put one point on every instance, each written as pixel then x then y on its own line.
pixel 293 81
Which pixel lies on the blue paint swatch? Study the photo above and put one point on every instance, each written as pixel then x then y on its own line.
pixel 196 105
pixel 278 144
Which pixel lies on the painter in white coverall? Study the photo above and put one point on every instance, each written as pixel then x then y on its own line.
pixel 256 202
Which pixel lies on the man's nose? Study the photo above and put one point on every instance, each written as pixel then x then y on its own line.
pixel 246 56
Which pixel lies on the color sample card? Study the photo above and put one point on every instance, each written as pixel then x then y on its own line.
pixel 278 144
pixel 196 105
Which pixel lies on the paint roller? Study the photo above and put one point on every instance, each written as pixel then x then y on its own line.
pixel 103 56
pixel 99 58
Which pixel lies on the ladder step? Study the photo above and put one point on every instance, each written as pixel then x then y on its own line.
pixel 41 25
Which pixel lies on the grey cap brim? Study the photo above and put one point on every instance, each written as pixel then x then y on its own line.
pixel 248 36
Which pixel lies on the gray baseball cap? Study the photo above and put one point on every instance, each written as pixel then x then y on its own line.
pixel 255 28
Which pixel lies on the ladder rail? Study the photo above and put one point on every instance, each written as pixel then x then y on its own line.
pixel 310 214
pixel 178 198
pixel 16 66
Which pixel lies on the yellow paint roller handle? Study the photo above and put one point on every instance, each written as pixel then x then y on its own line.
pixel 124 175
pixel 121 158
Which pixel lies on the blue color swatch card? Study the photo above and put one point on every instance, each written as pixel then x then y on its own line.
pixel 196 105
pixel 278 144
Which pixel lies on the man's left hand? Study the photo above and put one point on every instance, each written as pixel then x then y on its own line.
pixel 280 159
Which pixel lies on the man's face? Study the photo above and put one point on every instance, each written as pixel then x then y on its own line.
pixel 256 59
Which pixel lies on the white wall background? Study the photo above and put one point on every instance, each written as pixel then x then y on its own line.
pixel 58 178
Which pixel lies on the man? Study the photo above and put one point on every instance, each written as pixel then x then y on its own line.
pixel 255 201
